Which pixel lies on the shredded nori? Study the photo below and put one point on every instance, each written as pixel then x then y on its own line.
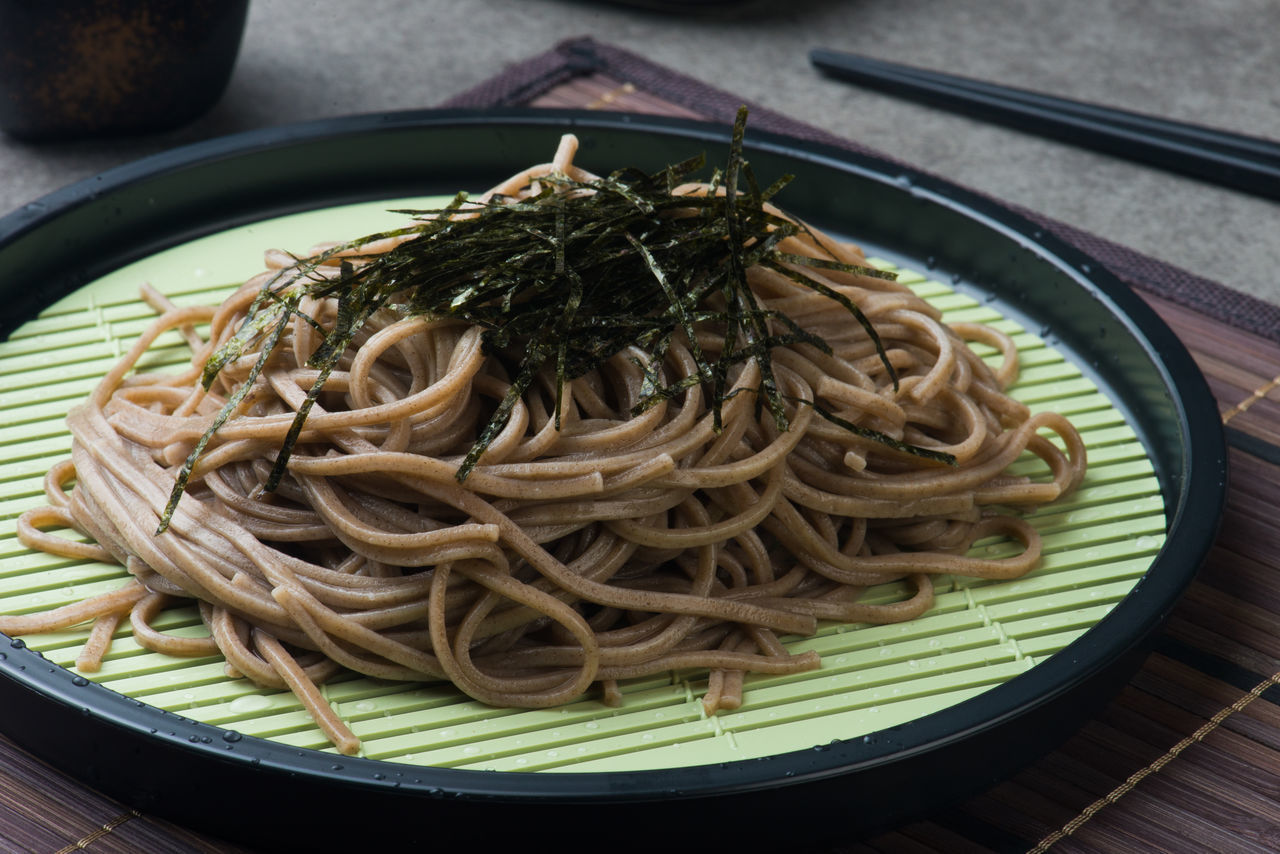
pixel 567 277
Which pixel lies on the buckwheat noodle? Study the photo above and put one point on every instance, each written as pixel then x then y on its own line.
pixel 611 548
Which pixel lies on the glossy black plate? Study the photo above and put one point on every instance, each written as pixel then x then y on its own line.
pixel 162 763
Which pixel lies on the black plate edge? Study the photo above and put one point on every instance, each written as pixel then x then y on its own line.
pixel 1188 541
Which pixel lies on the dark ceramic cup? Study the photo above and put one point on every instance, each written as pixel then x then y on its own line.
pixel 89 68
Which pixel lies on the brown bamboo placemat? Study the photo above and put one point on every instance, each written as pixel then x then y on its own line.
pixel 1185 759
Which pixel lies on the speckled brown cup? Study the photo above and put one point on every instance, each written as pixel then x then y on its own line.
pixel 86 68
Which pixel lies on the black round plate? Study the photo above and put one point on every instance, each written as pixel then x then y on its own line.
pixel 266 794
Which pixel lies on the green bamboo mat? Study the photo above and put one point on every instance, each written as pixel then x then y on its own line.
pixel 1097 545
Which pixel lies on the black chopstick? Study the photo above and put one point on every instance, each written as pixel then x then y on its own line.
pixel 1244 163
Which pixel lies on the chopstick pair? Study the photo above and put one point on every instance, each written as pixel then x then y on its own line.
pixel 1244 163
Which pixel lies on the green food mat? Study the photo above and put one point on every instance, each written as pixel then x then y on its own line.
pixel 1097 545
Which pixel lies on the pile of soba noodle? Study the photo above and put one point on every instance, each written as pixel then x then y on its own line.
pixel 613 547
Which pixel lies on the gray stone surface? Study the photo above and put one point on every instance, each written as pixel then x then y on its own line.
pixel 1215 62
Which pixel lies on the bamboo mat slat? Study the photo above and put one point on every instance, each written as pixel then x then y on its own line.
pixel 1184 759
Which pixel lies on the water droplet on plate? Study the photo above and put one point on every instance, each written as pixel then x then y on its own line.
pixel 250 703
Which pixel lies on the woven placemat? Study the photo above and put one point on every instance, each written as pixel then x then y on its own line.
pixel 1185 759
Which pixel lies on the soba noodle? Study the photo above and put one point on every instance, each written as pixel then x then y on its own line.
pixel 613 547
